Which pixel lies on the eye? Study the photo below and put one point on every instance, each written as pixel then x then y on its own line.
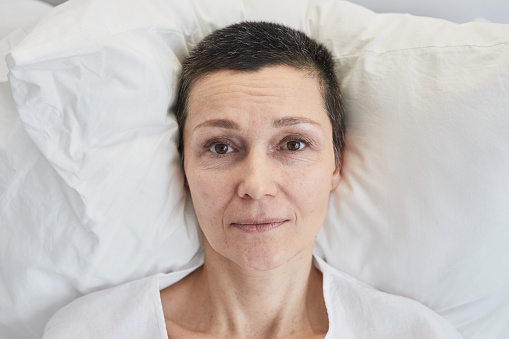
pixel 220 148
pixel 295 145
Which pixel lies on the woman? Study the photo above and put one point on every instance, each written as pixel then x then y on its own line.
pixel 261 139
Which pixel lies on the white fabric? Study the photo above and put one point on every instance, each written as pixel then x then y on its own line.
pixel 91 190
pixel 26 179
pixel 355 310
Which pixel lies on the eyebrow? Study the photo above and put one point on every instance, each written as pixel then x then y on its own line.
pixel 221 123
pixel 230 124
pixel 292 121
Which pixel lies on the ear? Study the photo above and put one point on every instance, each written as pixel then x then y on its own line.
pixel 336 177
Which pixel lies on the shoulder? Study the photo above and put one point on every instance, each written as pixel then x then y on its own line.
pixel 368 313
pixel 124 311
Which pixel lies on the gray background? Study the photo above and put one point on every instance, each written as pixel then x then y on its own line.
pixel 53 2
pixel 459 11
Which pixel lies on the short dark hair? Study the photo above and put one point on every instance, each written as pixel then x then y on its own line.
pixel 250 46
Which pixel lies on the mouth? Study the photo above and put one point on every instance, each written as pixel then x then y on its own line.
pixel 259 226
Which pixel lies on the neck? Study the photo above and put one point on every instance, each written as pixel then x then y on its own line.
pixel 273 303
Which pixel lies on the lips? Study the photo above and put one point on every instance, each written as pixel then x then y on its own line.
pixel 259 225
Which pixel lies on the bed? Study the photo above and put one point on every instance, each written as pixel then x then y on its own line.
pixel 92 195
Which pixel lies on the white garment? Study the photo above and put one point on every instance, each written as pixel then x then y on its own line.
pixel 355 311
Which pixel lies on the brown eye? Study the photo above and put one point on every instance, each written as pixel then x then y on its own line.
pixel 220 148
pixel 294 145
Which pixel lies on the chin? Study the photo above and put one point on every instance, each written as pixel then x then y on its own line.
pixel 259 252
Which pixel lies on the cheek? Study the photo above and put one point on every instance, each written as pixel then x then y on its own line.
pixel 210 197
pixel 311 196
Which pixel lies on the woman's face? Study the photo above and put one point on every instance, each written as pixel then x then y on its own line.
pixel 259 163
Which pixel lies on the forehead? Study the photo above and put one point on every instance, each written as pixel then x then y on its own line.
pixel 269 92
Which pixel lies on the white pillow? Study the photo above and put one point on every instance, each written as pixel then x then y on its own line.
pixel 421 210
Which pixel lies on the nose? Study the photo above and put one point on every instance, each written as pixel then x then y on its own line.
pixel 257 177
